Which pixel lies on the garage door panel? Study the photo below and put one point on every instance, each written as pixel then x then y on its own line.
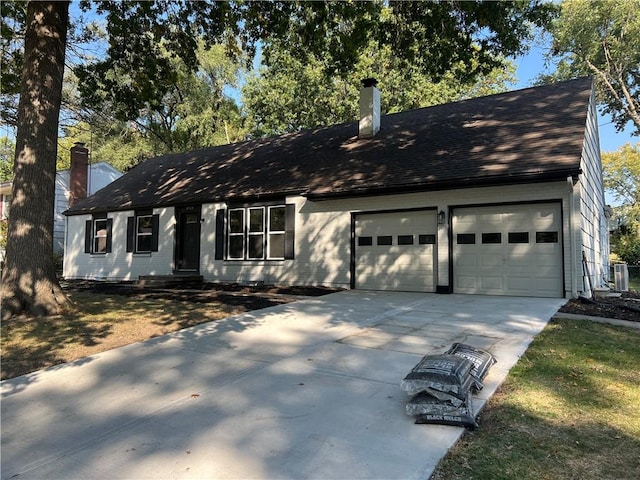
pixel 511 250
pixel 403 258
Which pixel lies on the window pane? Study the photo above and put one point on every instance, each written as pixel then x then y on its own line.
pixel 236 246
pixel 518 237
pixel 405 239
pixel 492 237
pixel 256 220
pixel 100 236
pixel 276 219
pixel 385 240
pixel 145 225
pixel 427 239
pixel 466 238
pixel 365 241
pixel 144 243
pixel 276 245
pixel 256 246
pixel 546 237
pixel 236 221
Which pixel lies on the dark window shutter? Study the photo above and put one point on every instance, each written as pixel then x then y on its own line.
pixel 131 224
pixel 88 236
pixel 289 231
pixel 109 232
pixel 220 233
pixel 156 232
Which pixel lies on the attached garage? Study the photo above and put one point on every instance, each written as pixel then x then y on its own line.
pixel 396 251
pixel 508 250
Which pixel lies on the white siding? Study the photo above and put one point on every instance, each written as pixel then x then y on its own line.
pixel 593 234
pixel 119 264
pixel 322 239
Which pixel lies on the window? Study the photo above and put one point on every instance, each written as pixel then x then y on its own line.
pixel 405 239
pixel 427 239
pixel 385 240
pixel 277 231
pixel 492 237
pixel 98 235
pixel 365 241
pixel 142 232
pixel 257 233
pixel 236 233
pixel 546 237
pixel 466 239
pixel 518 237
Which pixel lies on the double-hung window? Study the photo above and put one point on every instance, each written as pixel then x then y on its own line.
pixel 276 231
pixel 262 232
pixel 142 232
pixel 98 235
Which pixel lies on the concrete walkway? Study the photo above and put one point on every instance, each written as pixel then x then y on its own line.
pixel 304 390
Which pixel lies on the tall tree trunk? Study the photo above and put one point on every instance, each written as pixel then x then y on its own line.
pixel 29 283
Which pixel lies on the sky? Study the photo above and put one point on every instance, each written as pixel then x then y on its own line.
pixel 531 65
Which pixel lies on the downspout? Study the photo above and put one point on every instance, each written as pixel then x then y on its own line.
pixel 572 240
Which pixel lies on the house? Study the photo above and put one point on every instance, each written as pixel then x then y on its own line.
pixel 498 195
pixel 80 180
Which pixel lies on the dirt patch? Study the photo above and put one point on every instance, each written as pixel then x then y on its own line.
pixel 624 307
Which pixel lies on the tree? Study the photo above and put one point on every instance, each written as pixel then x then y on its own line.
pixel 621 173
pixel 28 277
pixel 602 38
pixel 432 36
pixel 195 112
pixel 302 96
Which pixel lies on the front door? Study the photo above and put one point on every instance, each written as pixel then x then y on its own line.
pixel 188 239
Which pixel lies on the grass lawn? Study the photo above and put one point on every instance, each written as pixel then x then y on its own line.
pixel 101 322
pixel 570 409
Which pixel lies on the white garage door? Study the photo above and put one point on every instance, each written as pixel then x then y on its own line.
pixel 508 250
pixel 396 251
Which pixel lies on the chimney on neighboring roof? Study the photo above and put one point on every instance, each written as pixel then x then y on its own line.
pixel 78 173
pixel 369 108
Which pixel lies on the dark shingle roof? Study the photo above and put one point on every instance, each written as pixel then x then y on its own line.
pixel 534 134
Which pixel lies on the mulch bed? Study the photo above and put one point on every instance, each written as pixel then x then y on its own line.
pixel 625 307
pixel 251 297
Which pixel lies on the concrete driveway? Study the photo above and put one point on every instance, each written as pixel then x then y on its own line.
pixel 304 390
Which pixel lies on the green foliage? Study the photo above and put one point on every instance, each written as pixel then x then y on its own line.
pixel 602 38
pixel 195 112
pixel 621 175
pixel 7 153
pixel 289 94
pixel 626 245
pixel 138 70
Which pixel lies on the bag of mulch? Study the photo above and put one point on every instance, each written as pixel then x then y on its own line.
pixel 481 359
pixel 446 377
pixel 430 410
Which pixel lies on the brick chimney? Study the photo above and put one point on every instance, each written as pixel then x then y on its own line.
pixel 78 173
pixel 369 108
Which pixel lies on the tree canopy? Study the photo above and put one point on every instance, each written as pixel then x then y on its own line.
pixel 301 96
pixel 602 38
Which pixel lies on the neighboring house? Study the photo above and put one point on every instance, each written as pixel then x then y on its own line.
pixel 87 180
pixel 497 195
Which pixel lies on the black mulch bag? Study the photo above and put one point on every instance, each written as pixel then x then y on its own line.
pixel 446 377
pixel 481 359
pixel 430 410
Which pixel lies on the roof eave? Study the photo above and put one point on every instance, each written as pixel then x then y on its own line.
pixel 470 182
